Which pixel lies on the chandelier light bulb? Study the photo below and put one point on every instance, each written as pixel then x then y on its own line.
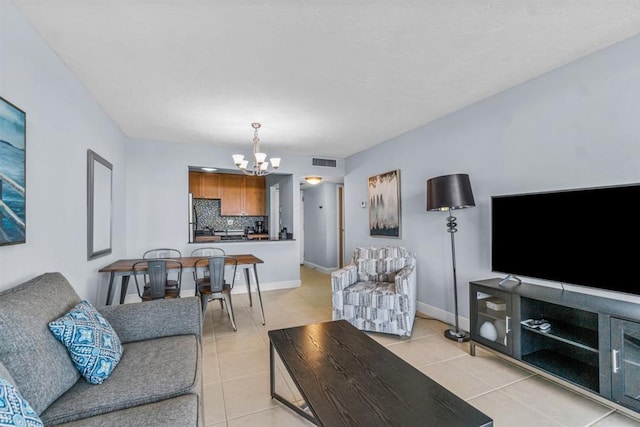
pixel 237 159
pixel 260 157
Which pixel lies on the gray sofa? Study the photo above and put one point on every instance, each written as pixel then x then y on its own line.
pixel 158 380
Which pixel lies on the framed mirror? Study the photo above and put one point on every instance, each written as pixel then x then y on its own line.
pixel 99 209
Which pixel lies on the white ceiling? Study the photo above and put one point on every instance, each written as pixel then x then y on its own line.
pixel 325 77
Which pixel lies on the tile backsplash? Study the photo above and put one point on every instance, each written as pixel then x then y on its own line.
pixel 207 213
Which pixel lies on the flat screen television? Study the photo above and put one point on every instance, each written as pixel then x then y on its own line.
pixel 587 237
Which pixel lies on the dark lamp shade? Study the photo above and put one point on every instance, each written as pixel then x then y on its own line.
pixel 449 192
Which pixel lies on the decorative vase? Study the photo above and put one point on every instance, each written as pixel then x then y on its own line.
pixel 488 331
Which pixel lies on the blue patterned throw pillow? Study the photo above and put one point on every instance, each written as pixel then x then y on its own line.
pixel 14 410
pixel 93 345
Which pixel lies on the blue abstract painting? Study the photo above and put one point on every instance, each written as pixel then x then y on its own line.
pixel 13 143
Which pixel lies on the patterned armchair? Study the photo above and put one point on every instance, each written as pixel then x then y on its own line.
pixel 377 291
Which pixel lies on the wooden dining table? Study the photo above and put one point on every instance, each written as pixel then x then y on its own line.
pixel 123 268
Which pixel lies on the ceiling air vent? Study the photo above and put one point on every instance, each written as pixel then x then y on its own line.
pixel 330 163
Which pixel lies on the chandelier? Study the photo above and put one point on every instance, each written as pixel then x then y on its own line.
pixel 259 166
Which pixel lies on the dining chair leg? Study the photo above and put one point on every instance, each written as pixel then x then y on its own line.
pixel 227 298
pixel 203 302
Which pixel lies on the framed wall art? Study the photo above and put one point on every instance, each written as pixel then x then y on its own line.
pixel 384 204
pixel 13 141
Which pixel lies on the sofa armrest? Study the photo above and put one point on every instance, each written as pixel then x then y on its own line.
pixel 346 276
pixel 154 319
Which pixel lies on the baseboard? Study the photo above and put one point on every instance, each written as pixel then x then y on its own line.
pixel 442 315
pixel 321 269
pixel 239 288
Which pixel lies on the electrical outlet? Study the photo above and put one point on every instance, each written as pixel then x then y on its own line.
pixel 229 222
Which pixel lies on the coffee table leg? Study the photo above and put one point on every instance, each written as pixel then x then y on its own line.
pixel 274 395
pixel 272 362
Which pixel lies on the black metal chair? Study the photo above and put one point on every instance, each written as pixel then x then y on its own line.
pixel 213 285
pixel 208 251
pixel 164 253
pixel 156 285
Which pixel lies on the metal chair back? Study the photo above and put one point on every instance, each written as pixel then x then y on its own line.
pixel 156 283
pixel 214 268
pixel 162 253
pixel 207 252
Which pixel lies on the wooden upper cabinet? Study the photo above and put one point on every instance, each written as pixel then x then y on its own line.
pixel 204 185
pixel 240 195
pixel 254 195
pixel 231 202
pixel 195 184
pixel 211 186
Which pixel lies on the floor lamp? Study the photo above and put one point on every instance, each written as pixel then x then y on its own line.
pixel 446 193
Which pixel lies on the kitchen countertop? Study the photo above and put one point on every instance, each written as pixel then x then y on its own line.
pixel 256 236
pixel 202 239
pixel 224 242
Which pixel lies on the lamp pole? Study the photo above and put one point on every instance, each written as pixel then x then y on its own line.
pixel 457 334
pixel 447 193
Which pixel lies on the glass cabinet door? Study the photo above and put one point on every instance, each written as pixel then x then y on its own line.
pixel 625 362
pixel 491 318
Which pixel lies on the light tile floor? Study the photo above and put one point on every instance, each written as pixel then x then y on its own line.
pixel 236 367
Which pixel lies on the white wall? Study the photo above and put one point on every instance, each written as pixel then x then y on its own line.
pixel 577 126
pixel 63 121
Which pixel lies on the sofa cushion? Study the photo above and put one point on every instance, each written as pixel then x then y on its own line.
pixel 93 345
pixel 14 410
pixel 149 371
pixel 39 364
pixel 6 375
pixel 179 411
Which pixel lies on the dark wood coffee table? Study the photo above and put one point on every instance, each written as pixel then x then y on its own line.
pixel 347 379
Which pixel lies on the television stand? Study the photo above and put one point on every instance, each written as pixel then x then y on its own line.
pixel 590 342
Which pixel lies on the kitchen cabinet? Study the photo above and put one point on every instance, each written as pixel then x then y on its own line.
pixel 625 362
pixel 492 318
pixel 254 196
pixel 242 195
pixel 204 185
